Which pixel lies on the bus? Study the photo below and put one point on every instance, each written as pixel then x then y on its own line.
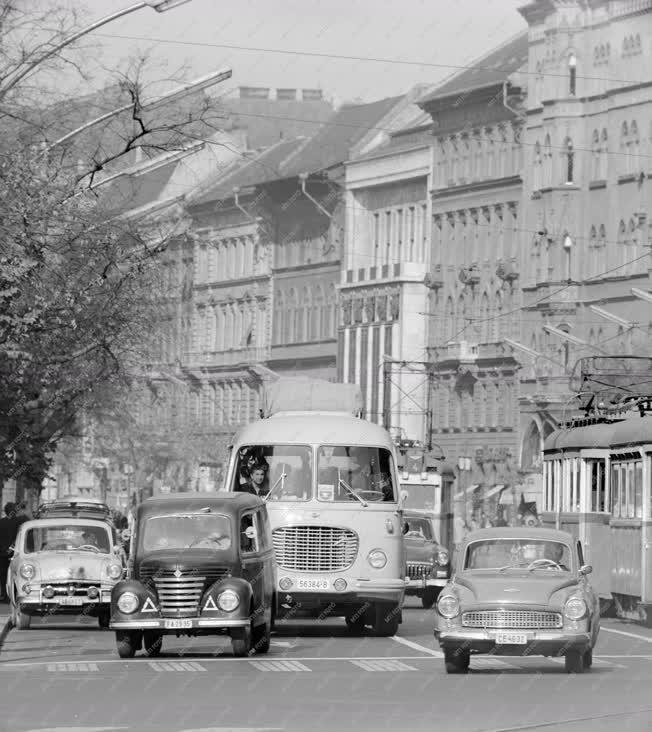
pixel 332 491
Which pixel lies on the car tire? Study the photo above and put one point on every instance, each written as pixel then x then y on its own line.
pixel 429 597
pixel 457 662
pixel 387 619
pixel 262 638
pixel 152 642
pixel 104 618
pixel 241 641
pixel 574 662
pixel 128 642
pixel 355 623
pixel 20 620
pixel 588 658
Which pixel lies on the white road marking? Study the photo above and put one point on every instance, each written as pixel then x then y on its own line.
pixel 76 729
pixel 382 665
pixel 490 663
pixel 283 644
pixel 289 665
pixel 417 646
pixel 234 729
pixel 596 662
pixel 74 667
pixel 646 638
pixel 175 666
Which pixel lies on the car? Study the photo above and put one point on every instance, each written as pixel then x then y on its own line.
pixel 518 592
pixel 63 565
pixel 74 508
pixel 200 564
pixel 427 562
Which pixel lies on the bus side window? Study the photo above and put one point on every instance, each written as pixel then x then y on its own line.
pixel 248 534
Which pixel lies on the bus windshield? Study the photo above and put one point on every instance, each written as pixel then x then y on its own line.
pixel 352 473
pixel 279 472
pixel 420 496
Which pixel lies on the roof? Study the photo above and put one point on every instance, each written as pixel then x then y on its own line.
pixel 194 501
pixel 321 429
pixel 68 520
pixel 595 436
pixel 523 532
pixel 132 192
pixel 263 168
pixel 332 144
pixel 632 432
pixel 492 68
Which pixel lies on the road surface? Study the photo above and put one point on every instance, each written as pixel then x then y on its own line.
pixel 65 674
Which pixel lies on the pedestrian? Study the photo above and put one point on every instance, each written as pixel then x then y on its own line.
pixel 9 525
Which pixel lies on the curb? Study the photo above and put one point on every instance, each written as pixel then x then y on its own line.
pixel 5 631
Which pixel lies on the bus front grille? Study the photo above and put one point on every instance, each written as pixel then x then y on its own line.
pixel 315 548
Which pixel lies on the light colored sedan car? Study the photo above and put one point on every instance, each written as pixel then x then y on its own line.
pixel 63 566
pixel 518 592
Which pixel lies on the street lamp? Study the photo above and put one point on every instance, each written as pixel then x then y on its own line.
pixel 161 6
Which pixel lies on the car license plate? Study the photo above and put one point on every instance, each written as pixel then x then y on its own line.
pixel 312 583
pixel 70 600
pixel 511 639
pixel 176 624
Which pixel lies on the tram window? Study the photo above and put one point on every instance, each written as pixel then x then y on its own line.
pixel 615 490
pixel 598 488
pixel 638 490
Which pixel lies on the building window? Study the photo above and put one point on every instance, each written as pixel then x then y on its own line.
pixel 547 161
pixel 572 74
pixel 569 156
pixel 538 167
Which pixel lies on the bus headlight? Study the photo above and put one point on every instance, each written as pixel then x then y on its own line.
pixel 339 584
pixel 448 606
pixel 285 583
pixel 377 558
pixel 228 601
pixel 128 603
pixel 575 608
pixel 442 557
pixel 27 571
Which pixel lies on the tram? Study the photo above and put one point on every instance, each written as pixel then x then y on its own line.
pixel 598 481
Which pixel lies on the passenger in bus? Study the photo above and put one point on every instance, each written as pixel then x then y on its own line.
pixel 258 483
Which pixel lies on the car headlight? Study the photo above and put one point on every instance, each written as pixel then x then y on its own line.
pixel 128 603
pixel 377 558
pixel 448 606
pixel 27 571
pixel 442 557
pixel 114 571
pixel 228 601
pixel 575 608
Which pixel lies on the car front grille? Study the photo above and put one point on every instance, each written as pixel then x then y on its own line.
pixel 511 619
pixel 315 548
pixel 179 596
pixel 74 588
pixel 418 570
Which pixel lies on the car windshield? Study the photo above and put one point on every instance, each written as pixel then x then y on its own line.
pixel 418 528
pixel 187 531
pixel 280 472
pixel 419 495
pixel 349 473
pixel 505 554
pixel 68 538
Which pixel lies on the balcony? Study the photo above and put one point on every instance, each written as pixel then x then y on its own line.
pixel 469 275
pixel 460 351
pixel 231 357
pixel 507 270
pixel 434 280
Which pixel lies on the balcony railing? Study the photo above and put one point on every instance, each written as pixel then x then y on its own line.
pixel 226 358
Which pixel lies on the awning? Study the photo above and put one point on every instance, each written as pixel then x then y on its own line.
pixel 507 498
pixel 468 490
pixel 495 489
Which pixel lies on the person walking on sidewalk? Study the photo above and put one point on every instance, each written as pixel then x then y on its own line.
pixel 9 525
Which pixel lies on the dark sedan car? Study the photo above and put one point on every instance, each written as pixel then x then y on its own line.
pixel 519 592
pixel 428 563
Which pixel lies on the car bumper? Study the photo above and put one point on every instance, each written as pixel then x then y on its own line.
pixel 358 591
pixel 538 642
pixel 421 584
pixel 165 624
pixel 45 605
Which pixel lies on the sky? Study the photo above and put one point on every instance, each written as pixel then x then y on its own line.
pixel 412 41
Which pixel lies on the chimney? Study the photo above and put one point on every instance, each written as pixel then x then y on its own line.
pixel 254 92
pixel 312 95
pixel 286 94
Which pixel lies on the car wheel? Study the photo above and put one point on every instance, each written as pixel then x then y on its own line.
pixel 387 619
pixel 355 623
pixel 588 658
pixel 457 662
pixel 104 618
pixel 21 620
pixel 574 662
pixel 429 597
pixel 262 638
pixel 128 642
pixel 152 641
pixel 241 641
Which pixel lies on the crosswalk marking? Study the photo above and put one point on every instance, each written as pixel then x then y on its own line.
pixel 490 663
pixel 382 665
pixel 68 667
pixel 279 666
pixel 596 662
pixel 175 666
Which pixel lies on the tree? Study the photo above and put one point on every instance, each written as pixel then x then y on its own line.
pixel 79 284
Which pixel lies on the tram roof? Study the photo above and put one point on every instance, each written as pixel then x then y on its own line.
pixel 578 438
pixel 315 427
pixel 635 430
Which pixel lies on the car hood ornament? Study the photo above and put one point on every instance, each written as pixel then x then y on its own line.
pixel 178 573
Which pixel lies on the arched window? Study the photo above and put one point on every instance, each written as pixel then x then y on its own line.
pixel 228 327
pixel 532 448
pixel 569 159
pixel 623 254
pixel 624 148
pixel 537 168
pixel 633 148
pixel 572 74
pixel 596 155
pixel 279 318
pixel 319 315
pixel 593 245
pixel 634 251
pixel 290 321
pixel 547 162
pixel 305 307
pixel 604 159
pixel 331 305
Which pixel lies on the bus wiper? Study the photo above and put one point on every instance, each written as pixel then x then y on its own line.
pixel 344 484
pixel 281 479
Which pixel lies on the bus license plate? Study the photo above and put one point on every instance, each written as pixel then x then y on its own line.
pixel 70 600
pixel 511 639
pixel 177 624
pixel 312 583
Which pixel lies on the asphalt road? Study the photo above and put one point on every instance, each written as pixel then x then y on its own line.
pixel 65 675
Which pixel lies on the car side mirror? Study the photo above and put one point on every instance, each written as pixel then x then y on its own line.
pixel 406 527
pixel 586 569
pixel 250 532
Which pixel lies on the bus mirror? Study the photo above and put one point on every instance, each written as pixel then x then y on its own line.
pixel 403 496
pixel 406 527
pixel 586 569
pixel 250 532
